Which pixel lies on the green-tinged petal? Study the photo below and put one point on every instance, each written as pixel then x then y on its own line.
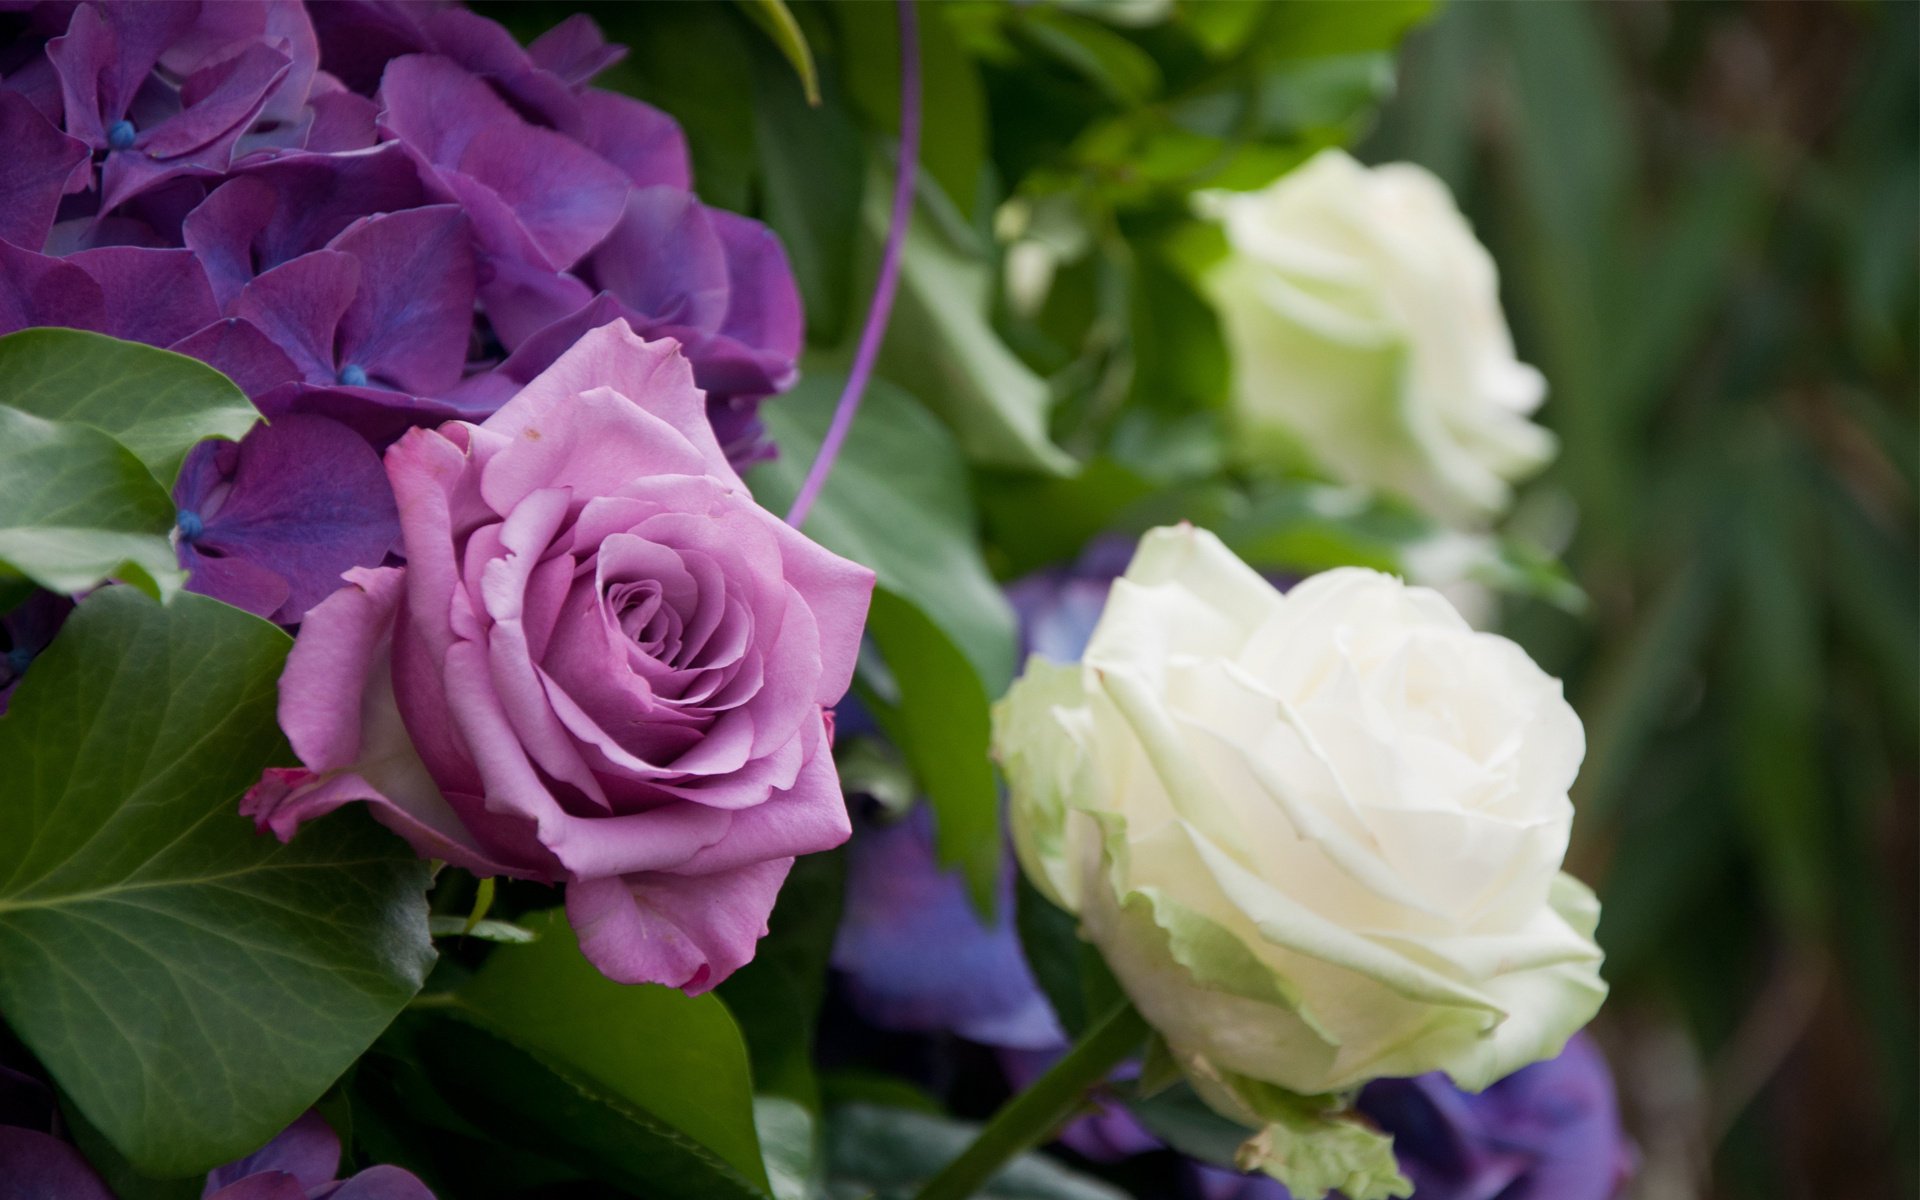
pixel 1035 742
pixel 1548 1005
pixel 1313 1144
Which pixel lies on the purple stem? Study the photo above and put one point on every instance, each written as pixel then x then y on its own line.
pixel 875 330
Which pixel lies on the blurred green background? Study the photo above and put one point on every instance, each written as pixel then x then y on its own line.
pixel 1705 215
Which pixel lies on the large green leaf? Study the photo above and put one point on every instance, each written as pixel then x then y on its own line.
pixel 776 997
pixel 191 985
pixel 154 402
pixel 942 347
pixel 812 169
pixel 940 722
pixel 657 1081
pixel 77 507
pixel 898 502
pixel 954 135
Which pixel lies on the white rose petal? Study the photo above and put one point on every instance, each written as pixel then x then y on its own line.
pixel 1365 329
pixel 1317 835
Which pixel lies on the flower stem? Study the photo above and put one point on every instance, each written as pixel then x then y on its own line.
pixel 875 330
pixel 1026 1120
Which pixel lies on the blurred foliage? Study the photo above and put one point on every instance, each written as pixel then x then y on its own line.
pixel 1706 216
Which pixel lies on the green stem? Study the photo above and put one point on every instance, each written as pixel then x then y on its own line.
pixel 1026 1120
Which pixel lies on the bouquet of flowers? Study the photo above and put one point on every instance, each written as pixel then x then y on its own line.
pixel 497 703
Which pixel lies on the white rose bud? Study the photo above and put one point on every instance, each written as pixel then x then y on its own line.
pixel 1317 836
pixel 1365 329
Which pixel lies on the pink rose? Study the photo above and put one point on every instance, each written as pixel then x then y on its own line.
pixel 603 665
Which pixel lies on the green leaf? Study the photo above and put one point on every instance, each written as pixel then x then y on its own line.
pixel 898 502
pixel 1315 28
pixel 154 402
pixel 887 1152
pixel 789 1135
pixel 1069 969
pixel 1124 73
pixel 812 170
pixel 776 19
pixel 666 1073
pixel 191 985
pixel 776 998
pixel 941 724
pixel 942 347
pixel 953 104
pixel 76 508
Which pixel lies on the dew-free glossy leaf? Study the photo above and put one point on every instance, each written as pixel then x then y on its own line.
pixel 154 402
pixel 77 507
pixel 659 1066
pixel 191 985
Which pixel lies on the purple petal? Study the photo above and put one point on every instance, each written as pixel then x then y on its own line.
pixel 915 954
pixel 299 304
pixel 1107 1134
pixel 342 121
pixel 758 342
pixel 105 56
pixel 39 1166
pixel 1221 1183
pixel 377 1183
pixel 686 932
pixel 1550 1131
pixel 307 1150
pixel 639 139
pixel 541 347
pixel 359 38
pixel 304 498
pixel 33 172
pixel 152 296
pixel 375 414
pixel 575 50
pixel 533 194
pixel 38 290
pixel 268 1185
pixel 665 261
pixel 242 353
pixel 412 317
pixel 273 212
pixel 220 102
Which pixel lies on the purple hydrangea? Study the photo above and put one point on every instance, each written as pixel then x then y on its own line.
pixel 25 630
pixel 301 1163
pixel 373 215
pixel 915 955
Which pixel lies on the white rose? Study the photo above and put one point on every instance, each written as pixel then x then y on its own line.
pixel 1317 836
pixel 1365 329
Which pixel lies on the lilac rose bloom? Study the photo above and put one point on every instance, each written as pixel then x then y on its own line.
pixel 603 665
